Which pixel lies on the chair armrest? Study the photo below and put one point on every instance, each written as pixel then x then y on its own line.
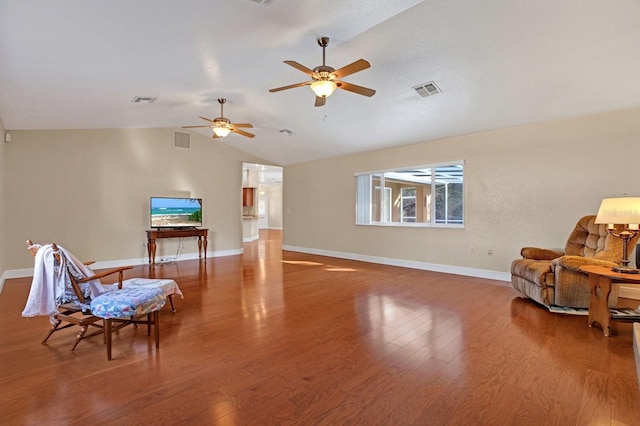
pixel 119 271
pixel 573 263
pixel 536 253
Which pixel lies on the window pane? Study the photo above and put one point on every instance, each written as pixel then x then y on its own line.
pixel 375 198
pixel 386 207
pixel 449 195
pixel 410 191
pixel 363 199
pixel 408 204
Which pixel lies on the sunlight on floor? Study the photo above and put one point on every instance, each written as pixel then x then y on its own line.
pixel 301 262
pixel 328 267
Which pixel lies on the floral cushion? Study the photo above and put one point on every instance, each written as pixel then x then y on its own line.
pixel 168 286
pixel 128 302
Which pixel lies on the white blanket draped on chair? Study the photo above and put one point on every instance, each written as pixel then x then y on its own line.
pixel 51 285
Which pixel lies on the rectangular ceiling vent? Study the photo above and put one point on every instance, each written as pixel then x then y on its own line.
pixel 427 89
pixel 264 2
pixel 143 99
pixel 181 140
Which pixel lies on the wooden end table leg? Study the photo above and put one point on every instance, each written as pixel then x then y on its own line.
pixel 599 305
pixel 151 248
pixel 204 245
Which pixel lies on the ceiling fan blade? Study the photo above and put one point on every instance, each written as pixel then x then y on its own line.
pixel 356 89
pixel 358 65
pixel 306 83
pixel 242 132
pixel 208 119
pixel 300 67
pixel 320 101
pixel 193 127
pixel 245 125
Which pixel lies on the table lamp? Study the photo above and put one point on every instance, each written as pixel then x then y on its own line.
pixel 625 213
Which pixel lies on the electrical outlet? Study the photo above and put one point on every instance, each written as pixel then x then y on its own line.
pixel 473 250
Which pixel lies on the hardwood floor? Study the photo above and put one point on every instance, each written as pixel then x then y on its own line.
pixel 274 337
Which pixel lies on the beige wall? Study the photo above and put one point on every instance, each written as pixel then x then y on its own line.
pixel 526 185
pixel 3 203
pixel 89 190
pixel 274 192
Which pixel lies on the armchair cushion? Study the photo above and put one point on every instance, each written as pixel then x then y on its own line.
pixel 540 253
pixel 536 271
pixel 573 263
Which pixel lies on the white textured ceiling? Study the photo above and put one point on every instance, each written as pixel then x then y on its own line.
pixel 75 64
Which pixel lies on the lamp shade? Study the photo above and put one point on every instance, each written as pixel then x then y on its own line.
pixel 619 211
pixel 221 132
pixel 323 88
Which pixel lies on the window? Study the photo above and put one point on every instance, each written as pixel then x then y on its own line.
pixel 423 195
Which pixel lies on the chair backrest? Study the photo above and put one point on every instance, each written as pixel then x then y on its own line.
pixel 73 290
pixel 589 239
pixel 70 273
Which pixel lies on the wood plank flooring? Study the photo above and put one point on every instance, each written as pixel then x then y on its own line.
pixel 281 338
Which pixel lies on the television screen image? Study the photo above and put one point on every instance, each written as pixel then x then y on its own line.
pixel 176 212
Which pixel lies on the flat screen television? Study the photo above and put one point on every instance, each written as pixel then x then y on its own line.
pixel 167 212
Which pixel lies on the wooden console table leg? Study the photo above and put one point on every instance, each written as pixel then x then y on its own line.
pixel 151 248
pixel 599 305
pixel 204 245
pixel 199 246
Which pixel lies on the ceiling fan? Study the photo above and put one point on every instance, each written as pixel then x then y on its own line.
pixel 325 79
pixel 222 126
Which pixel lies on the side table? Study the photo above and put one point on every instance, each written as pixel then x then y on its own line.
pixel 600 280
pixel 154 234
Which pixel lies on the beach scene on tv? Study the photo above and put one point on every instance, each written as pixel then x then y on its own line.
pixel 176 212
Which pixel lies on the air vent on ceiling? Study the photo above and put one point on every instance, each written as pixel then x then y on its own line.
pixel 287 132
pixel 264 2
pixel 143 99
pixel 181 140
pixel 427 89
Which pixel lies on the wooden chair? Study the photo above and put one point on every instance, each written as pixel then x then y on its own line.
pixel 70 313
pixel 117 307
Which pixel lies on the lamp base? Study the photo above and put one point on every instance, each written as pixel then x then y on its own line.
pixel 625 270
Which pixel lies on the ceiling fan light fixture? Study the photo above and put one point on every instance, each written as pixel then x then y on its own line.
pixel 323 88
pixel 221 131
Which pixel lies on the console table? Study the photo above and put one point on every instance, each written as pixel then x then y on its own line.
pixel 600 279
pixel 154 234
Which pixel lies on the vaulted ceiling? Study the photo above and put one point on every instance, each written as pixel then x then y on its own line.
pixel 77 64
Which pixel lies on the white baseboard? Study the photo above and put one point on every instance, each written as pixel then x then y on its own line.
pixel 449 269
pixel 250 239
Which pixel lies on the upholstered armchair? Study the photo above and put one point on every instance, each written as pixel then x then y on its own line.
pixel 553 277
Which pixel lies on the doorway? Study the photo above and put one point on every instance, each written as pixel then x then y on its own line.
pixel 266 182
